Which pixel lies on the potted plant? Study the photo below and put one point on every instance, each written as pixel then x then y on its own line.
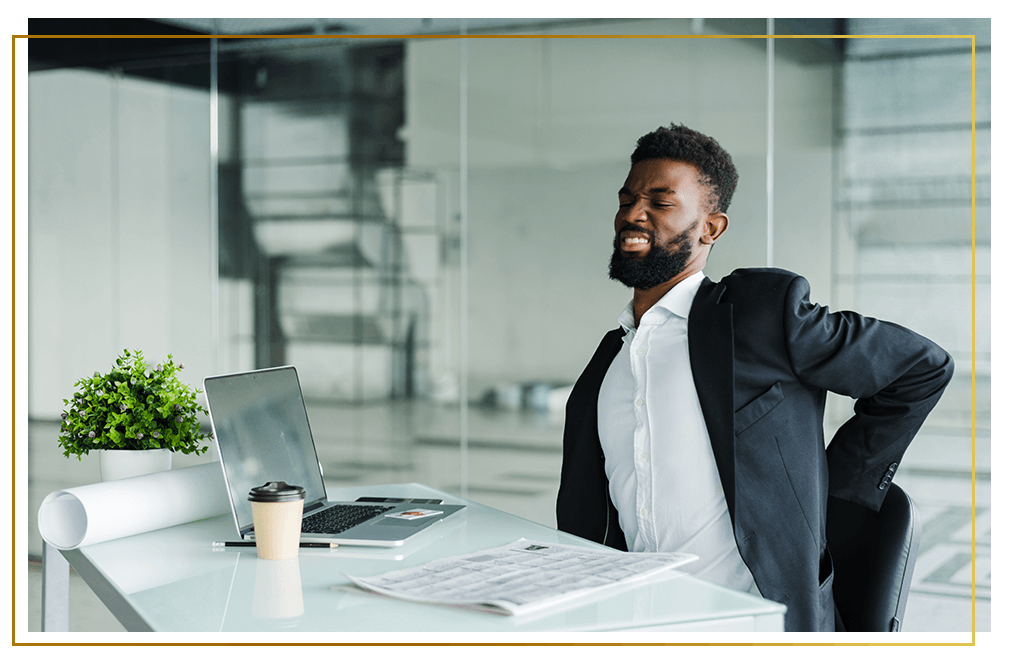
pixel 135 415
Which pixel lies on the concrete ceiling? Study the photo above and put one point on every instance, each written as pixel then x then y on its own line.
pixel 363 26
pixel 114 48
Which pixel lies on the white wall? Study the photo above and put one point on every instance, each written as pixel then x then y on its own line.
pixel 119 245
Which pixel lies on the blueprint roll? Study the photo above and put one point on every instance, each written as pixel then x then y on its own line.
pixel 94 513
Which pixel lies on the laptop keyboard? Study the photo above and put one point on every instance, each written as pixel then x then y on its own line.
pixel 338 518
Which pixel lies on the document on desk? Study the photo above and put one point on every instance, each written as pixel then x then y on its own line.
pixel 520 577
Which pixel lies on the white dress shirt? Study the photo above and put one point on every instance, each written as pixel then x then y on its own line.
pixel 662 474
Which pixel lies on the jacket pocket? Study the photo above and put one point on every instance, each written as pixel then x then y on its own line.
pixel 751 412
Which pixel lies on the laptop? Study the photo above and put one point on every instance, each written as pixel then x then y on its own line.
pixel 263 435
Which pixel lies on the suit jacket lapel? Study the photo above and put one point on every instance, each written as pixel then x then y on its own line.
pixel 711 353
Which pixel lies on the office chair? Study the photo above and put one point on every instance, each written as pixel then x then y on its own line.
pixel 873 560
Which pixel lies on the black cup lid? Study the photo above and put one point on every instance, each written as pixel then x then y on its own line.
pixel 276 492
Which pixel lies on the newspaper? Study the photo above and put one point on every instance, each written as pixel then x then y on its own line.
pixel 520 577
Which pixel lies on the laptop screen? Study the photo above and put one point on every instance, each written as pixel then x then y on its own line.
pixel 263 435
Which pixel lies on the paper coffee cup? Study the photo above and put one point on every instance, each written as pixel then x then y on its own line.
pixel 278 512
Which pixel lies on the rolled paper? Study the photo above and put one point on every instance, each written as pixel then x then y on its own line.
pixel 94 513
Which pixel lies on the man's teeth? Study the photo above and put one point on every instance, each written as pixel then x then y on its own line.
pixel 636 240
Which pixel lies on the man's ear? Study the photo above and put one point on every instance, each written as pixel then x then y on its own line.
pixel 714 227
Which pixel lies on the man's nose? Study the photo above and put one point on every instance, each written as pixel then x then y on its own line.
pixel 634 212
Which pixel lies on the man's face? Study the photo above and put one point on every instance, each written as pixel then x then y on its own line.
pixel 662 209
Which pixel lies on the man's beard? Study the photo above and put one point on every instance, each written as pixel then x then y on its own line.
pixel 660 264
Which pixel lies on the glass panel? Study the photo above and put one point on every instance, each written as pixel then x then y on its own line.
pixel 374 320
pixel 904 221
pixel 339 256
pixel 362 288
pixel 551 124
pixel 120 218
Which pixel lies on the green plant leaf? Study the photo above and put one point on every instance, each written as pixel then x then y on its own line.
pixel 132 399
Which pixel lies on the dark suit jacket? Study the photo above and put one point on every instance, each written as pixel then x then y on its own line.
pixel 763 358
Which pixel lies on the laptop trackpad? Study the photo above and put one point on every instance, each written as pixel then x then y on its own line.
pixel 404 524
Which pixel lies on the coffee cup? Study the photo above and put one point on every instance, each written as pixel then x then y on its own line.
pixel 278 511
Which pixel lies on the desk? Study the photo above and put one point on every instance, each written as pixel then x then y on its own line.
pixel 172 580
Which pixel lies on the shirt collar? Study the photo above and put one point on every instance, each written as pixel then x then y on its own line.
pixel 678 301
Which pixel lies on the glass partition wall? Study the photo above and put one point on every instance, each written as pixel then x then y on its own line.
pixel 422 225
pixel 333 253
pixel 549 124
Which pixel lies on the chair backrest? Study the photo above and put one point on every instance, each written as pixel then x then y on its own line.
pixel 873 560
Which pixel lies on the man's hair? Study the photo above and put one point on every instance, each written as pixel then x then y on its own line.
pixel 717 171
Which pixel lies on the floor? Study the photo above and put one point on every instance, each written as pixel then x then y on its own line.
pixel 513 462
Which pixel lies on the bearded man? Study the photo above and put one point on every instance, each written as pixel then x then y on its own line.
pixel 698 424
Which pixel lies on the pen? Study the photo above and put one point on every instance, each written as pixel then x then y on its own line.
pixel 306 545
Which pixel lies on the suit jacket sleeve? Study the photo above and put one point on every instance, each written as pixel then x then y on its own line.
pixel 895 375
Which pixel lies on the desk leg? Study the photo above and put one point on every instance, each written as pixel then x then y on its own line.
pixel 56 590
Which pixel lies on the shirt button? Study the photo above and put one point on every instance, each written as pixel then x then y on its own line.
pixel 642 457
pixel 644 511
pixel 640 402
pixel 640 351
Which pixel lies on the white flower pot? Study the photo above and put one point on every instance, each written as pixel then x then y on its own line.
pixel 119 464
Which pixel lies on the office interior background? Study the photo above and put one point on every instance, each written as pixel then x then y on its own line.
pixel 421 225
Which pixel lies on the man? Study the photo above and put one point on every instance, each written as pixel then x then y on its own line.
pixel 698 424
